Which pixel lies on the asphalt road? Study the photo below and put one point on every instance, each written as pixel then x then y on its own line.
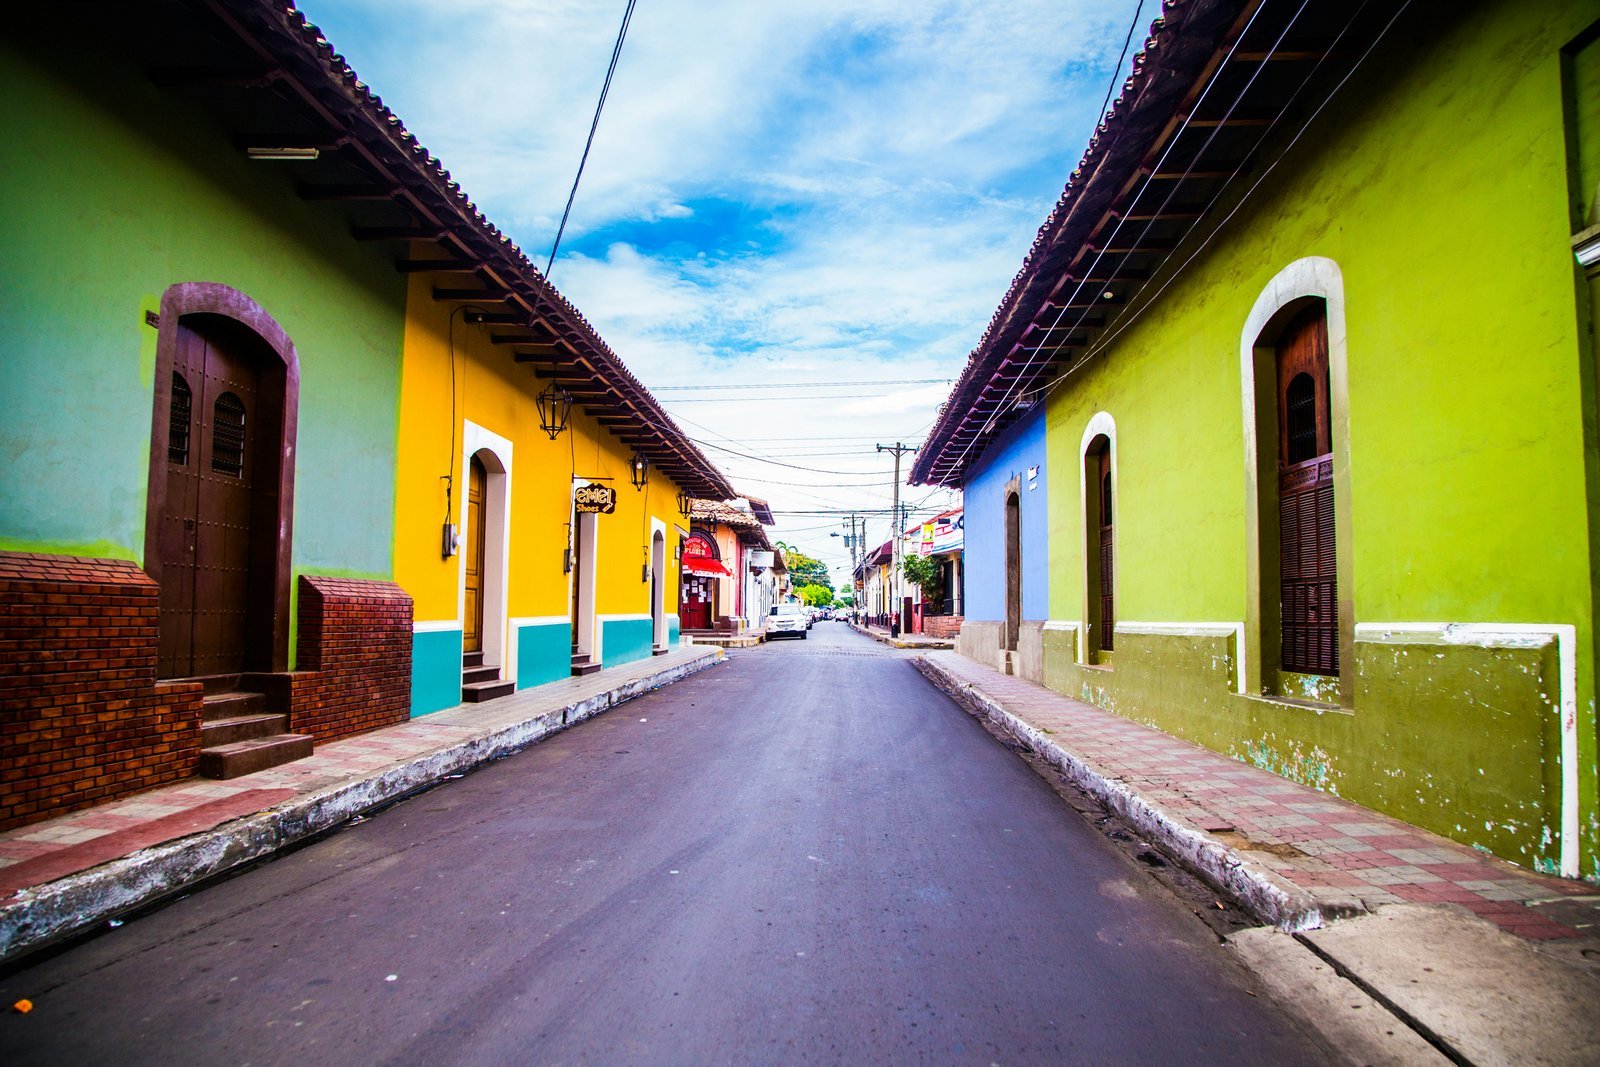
pixel 808 854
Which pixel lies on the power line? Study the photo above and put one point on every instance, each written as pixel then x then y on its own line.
pixel 616 51
pixel 796 385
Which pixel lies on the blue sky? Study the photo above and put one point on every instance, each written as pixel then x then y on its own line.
pixel 825 193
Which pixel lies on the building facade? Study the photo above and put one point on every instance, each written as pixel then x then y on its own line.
pixel 1318 410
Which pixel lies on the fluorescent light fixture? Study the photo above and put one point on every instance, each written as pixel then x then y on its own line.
pixel 283 153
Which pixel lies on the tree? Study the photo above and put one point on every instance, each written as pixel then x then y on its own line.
pixel 816 595
pixel 922 572
pixel 847 600
pixel 806 570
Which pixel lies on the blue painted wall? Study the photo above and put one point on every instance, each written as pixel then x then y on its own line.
pixel 624 640
pixel 544 654
pixel 1010 456
pixel 435 670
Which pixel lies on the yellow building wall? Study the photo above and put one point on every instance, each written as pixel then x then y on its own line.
pixel 459 390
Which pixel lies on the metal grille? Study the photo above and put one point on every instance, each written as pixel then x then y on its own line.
pixel 1301 418
pixel 179 413
pixel 227 435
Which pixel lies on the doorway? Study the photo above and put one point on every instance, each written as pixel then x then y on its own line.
pixel 218 510
pixel 472 614
pixel 584 548
pixel 658 591
pixel 1013 570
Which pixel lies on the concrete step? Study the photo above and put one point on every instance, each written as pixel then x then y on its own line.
pixel 215 733
pixel 232 705
pixel 471 659
pixel 582 665
pixel 660 650
pixel 247 757
pixel 480 674
pixel 478 692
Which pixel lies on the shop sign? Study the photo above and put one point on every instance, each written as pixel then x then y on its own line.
pixel 595 499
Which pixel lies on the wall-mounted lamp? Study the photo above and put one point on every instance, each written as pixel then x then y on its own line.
pixel 641 470
pixel 555 404
pixel 685 502
pixel 289 154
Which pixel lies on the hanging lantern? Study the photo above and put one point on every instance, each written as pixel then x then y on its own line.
pixel 685 502
pixel 641 470
pixel 555 404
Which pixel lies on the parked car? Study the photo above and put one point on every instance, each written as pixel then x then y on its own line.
pixel 788 620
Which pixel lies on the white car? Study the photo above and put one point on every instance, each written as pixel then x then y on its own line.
pixel 788 619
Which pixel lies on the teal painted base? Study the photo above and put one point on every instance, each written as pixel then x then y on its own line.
pixel 673 631
pixel 544 654
pixel 624 640
pixel 435 671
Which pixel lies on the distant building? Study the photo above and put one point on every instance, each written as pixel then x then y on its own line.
pixel 1284 437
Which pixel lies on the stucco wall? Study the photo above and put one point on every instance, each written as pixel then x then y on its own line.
pixel 1010 456
pixel 114 190
pixel 1438 186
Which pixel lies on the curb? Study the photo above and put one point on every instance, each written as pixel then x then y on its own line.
pixel 931 645
pixel 1256 889
pixel 71 904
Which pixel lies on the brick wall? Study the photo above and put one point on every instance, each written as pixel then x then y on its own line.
pixel 354 662
pixel 82 719
pixel 942 626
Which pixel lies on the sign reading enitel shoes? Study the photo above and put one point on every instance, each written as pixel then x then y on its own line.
pixel 599 499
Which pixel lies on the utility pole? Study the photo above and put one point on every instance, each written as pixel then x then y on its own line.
pixel 899 607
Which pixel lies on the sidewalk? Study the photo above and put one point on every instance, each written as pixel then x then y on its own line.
pixel 1524 989
pixel 65 874
pixel 904 640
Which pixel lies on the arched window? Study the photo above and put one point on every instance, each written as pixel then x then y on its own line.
pixel 1099 515
pixel 178 416
pixel 227 435
pixel 1308 570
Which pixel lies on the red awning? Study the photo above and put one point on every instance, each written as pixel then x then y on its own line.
pixel 707 566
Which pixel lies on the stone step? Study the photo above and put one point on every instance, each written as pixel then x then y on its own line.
pixel 232 705
pixel 480 674
pixel 582 665
pixel 478 692
pixel 247 757
pixel 660 650
pixel 471 659
pixel 215 733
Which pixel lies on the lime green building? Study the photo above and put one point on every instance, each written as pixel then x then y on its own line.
pixel 1312 333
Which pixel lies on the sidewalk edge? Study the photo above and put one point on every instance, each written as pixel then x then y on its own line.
pixel 71 904
pixel 1253 888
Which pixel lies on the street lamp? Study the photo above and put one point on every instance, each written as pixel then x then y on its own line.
pixel 685 502
pixel 641 470
pixel 555 404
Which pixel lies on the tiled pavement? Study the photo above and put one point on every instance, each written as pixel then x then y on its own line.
pixel 44 851
pixel 1328 849
pixel 921 641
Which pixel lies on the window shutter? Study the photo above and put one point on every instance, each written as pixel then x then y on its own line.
pixel 227 435
pixel 179 413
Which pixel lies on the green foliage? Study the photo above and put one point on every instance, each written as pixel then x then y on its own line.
pixel 817 596
pixel 923 572
pixel 847 600
pixel 806 570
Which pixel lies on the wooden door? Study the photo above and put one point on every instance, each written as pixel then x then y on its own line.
pixel 1309 584
pixel 206 539
pixel 472 624
pixel 577 578
pixel 1108 611
pixel 1013 570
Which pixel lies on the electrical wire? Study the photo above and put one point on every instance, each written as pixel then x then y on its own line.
pixel 1126 41
pixel 616 52
pixel 796 385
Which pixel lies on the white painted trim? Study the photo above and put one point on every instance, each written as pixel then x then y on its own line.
pixel 658 572
pixel 1101 424
pixel 540 620
pixel 1516 635
pixel 496 546
pixel 586 541
pixel 1197 629
pixel 437 626
pixel 1319 277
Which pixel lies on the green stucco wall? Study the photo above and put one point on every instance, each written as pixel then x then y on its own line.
pixel 1438 183
pixel 112 191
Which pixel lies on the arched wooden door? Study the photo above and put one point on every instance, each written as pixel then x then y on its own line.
pixel 217 538
pixel 1013 570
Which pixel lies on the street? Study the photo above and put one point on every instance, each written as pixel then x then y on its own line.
pixel 805 855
